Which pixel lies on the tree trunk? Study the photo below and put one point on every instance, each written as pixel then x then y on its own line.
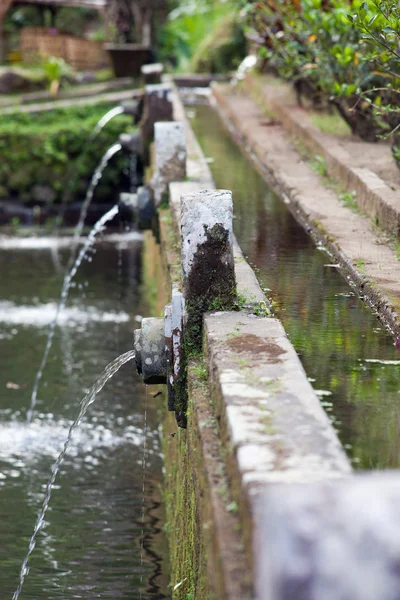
pixel 4 6
pixel 143 23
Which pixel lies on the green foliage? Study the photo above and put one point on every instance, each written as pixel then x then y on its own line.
pixel 318 164
pixel 22 16
pixel 203 35
pixel 378 22
pixel 74 20
pixel 339 53
pixel 55 68
pixel 38 149
pixel 222 49
pixel 349 199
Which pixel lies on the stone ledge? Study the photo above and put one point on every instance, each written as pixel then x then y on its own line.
pixel 329 541
pixel 270 418
pixel 374 196
pixel 286 467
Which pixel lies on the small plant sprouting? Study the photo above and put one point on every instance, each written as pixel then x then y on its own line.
pixel 318 164
pixel 14 224
pixel 261 309
pixel 232 507
pixel 201 371
pixel 360 264
pixel 349 199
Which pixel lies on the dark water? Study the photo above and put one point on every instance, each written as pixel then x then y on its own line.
pixel 333 331
pixel 90 544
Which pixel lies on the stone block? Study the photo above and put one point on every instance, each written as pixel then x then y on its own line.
pixel 329 540
pixel 208 266
pixel 150 357
pixel 157 106
pixel 169 157
pixel 152 73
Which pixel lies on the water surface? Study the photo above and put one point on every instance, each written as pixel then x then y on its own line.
pixel 90 544
pixel 342 345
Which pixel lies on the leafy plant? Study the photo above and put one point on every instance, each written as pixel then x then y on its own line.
pixel 38 150
pixel 378 22
pixel 320 46
pixel 55 68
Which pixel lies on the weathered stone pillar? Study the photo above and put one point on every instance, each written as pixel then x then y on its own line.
pixel 141 207
pixel 207 258
pixel 337 540
pixel 152 73
pixel 169 157
pixel 157 106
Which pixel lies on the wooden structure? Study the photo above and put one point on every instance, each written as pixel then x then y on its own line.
pixel 142 12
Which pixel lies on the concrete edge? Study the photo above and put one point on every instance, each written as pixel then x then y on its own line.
pixel 270 418
pixel 374 196
pixel 375 297
pixel 227 568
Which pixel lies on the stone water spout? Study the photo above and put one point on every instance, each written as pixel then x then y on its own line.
pixel 131 143
pixel 140 206
pixel 208 282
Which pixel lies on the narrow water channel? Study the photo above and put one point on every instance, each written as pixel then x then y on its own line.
pixel 90 546
pixel 345 350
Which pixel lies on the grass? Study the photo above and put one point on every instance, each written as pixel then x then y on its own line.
pixel 360 265
pixel 349 199
pixel 319 166
pixel 330 123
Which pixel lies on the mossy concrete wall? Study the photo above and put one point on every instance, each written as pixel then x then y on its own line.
pixel 206 556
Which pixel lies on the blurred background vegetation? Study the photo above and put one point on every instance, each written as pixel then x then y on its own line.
pixel 204 35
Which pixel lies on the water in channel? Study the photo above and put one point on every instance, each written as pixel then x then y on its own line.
pixel 90 543
pixel 346 352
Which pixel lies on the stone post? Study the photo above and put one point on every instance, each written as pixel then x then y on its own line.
pixel 140 206
pixel 207 258
pixel 157 106
pixel 170 157
pixel 337 540
pixel 152 74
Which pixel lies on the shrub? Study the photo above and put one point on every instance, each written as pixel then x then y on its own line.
pixel 321 48
pixel 39 149
pixel 379 25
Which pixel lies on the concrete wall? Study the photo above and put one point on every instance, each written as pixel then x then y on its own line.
pixel 253 421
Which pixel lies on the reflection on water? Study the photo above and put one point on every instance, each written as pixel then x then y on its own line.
pixel 346 352
pixel 90 544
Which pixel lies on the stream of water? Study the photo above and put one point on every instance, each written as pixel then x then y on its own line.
pixel 114 112
pixel 348 355
pixel 89 545
pixel 90 397
pixel 98 228
pixel 112 151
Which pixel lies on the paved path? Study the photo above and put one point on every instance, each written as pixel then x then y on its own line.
pixel 111 97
